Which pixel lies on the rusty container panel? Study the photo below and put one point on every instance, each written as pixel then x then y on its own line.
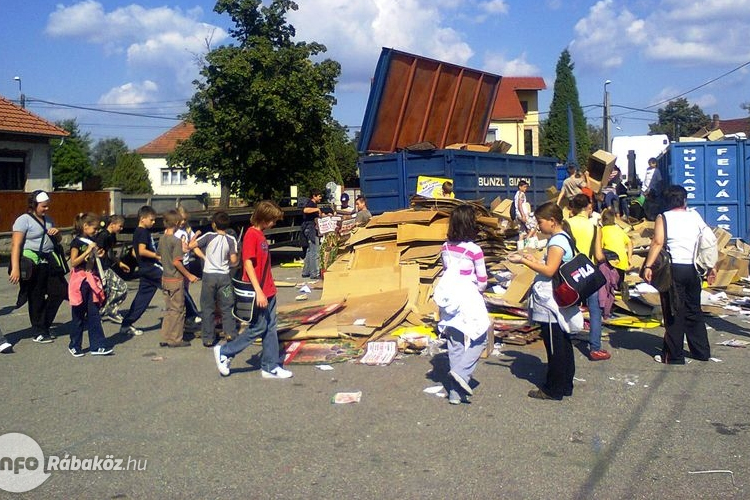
pixel 415 99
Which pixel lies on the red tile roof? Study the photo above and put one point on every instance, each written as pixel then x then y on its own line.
pixel 507 105
pixel 16 120
pixel 735 125
pixel 168 141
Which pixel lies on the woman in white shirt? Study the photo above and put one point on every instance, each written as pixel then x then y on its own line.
pixel 682 229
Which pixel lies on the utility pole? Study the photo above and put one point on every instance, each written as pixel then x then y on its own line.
pixel 21 97
pixel 605 124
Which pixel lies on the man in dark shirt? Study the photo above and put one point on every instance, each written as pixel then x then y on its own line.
pixel 310 214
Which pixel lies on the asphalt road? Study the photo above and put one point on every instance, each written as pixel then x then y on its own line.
pixel 633 429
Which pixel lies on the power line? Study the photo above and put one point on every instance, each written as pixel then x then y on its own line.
pixel 701 85
pixel 99 110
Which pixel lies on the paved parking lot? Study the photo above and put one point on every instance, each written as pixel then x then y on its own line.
pixel 633 429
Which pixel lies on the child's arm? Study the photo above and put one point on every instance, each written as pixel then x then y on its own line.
pixel 233 259
pixel 77 258
pixel 260 298
pixel 177 262
pixel 145 252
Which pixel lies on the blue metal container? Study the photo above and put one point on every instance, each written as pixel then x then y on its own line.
pixel 715 177
pixel 388 181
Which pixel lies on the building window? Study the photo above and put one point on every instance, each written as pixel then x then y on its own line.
pixel 175 177
pixel 528 142
pixel 491 136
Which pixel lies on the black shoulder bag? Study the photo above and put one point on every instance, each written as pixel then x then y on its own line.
pixel 661 269
pixel 577 279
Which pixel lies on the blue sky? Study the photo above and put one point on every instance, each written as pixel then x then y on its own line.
pixel 140 57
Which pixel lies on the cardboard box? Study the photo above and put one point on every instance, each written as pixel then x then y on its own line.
pixel 599 169
pixel 502 209
pixel 552 193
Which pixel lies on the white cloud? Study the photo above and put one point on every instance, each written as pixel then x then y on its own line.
pixel 131 94
pixel 160 43
pixel 605 36
pixel 354 33
pixel 688 32
pixel 494 7
pixel 497 63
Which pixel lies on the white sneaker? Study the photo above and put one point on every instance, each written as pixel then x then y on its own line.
pixel 6 347
pixel 75 352
pixel 102 351
pixel 222 362
pixel 657 358
pixel 131 330
pixel 277 372
pixel 113 317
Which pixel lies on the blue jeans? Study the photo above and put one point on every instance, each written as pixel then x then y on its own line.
pixel 311 266
pixel 87 314
pixel 595 322
pixel 150 282
pixel 264 326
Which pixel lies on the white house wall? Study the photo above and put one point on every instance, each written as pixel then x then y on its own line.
pixel 37 163
pixel 154 166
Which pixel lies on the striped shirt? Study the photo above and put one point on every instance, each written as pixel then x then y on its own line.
pixel 469 257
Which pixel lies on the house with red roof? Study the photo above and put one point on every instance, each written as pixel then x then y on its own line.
pixel 25 148
pixel 172 180
pixel 515 114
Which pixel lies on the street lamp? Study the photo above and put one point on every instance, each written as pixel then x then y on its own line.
pixel 605 125
pixel 21 97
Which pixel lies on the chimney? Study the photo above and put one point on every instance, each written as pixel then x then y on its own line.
pixel 715 122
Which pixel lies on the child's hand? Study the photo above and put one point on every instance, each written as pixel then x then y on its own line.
pixel 195 235
pixel 515 258
pixel 193 278
pixel 124 267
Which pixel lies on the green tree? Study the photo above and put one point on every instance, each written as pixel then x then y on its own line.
pixel 554 139
pixel 104 158
pixel 131 175
pixel 343 151
pixel 679 118
pixel 596 137
pixel 70 158
pixel 262 110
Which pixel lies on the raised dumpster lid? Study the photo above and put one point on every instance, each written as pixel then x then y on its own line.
pixel 415 99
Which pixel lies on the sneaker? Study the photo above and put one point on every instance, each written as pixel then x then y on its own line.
pixel 453 397
pixel 102 351
pixel 658 359
pixel 277 372
pixel 461 382
pixel 6 348
pixel 114 318
pixel 77 353
pixel 43 339
pixel 131 330
pixel 540 394
pixel 222 362
pixel 599 355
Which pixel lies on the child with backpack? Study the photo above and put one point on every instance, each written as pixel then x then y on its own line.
pixel 220 250
pixel 256 266
pixel 463 316
pixel 115 287
pixel 85 290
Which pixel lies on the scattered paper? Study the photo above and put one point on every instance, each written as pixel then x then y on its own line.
pixel 360 322
pixel 158 358
pixel 341 398
pixel 305 289
pixel 735 343
pixel 301 297
pixel 324 368
pixel 716 360
pixel 379 353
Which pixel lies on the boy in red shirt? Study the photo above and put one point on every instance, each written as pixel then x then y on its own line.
pixel 256 265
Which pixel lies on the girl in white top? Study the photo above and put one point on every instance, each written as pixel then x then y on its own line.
pixel 682 229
